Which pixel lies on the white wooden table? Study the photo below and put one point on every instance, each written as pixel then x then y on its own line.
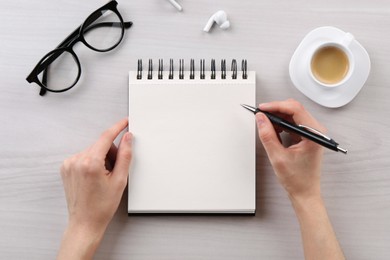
pixel 37 133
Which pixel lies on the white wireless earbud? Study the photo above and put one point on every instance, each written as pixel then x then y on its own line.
pixel 176 5
pixel 220 18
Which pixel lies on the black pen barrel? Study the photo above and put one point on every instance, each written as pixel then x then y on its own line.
pixel 309 135
pixel 292 128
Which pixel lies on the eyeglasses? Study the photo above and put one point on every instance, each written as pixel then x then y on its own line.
pixel 102 31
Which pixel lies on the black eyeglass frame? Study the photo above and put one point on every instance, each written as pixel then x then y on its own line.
pixel 67 46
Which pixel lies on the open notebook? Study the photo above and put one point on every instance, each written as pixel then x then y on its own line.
pixel 194 145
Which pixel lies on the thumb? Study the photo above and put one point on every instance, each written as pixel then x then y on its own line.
pixel 268 136
pixel 124 156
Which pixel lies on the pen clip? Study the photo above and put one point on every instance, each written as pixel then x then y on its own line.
pixel 316 132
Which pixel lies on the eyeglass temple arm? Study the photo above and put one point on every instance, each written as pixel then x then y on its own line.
pixel 71 40
pixel 75 34
pixel 108 24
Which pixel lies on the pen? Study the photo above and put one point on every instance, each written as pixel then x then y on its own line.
pixel 304 131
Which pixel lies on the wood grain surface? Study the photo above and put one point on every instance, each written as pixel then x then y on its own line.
pixel 38 133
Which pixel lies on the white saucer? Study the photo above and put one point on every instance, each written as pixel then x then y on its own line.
pixel 328 96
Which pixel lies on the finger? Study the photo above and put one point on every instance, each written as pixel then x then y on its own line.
pixel 268 137
pixel 103 144
pixel 123 157
pixel 294 109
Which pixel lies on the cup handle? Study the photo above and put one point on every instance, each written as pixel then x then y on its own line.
pixel 347 39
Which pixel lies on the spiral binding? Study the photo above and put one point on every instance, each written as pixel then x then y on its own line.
pixel 234 69
pixel 139 70
pixel 160 69
pixel 181 69
pixel 202 74
pixel 212 69
pixel 244 68
pixel 192 69
pixel 150 71
pixel 171 69
pixel 223 69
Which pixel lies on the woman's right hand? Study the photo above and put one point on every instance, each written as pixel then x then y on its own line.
pixel 297 167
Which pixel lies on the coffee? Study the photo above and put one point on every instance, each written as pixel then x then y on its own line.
pixel 330 65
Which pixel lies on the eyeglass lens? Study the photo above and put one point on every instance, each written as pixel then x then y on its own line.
pixel 105 32
pixel 62 73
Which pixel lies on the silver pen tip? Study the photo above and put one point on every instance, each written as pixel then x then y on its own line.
pixel 344 151
pixel 252 109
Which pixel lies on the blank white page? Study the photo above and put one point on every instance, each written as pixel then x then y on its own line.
pixel 193 146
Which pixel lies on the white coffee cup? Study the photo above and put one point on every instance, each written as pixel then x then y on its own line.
pixel 332 63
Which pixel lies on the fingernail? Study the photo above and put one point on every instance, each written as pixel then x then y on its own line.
pixel 129 137
pixel 262 105
pixel 260 119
